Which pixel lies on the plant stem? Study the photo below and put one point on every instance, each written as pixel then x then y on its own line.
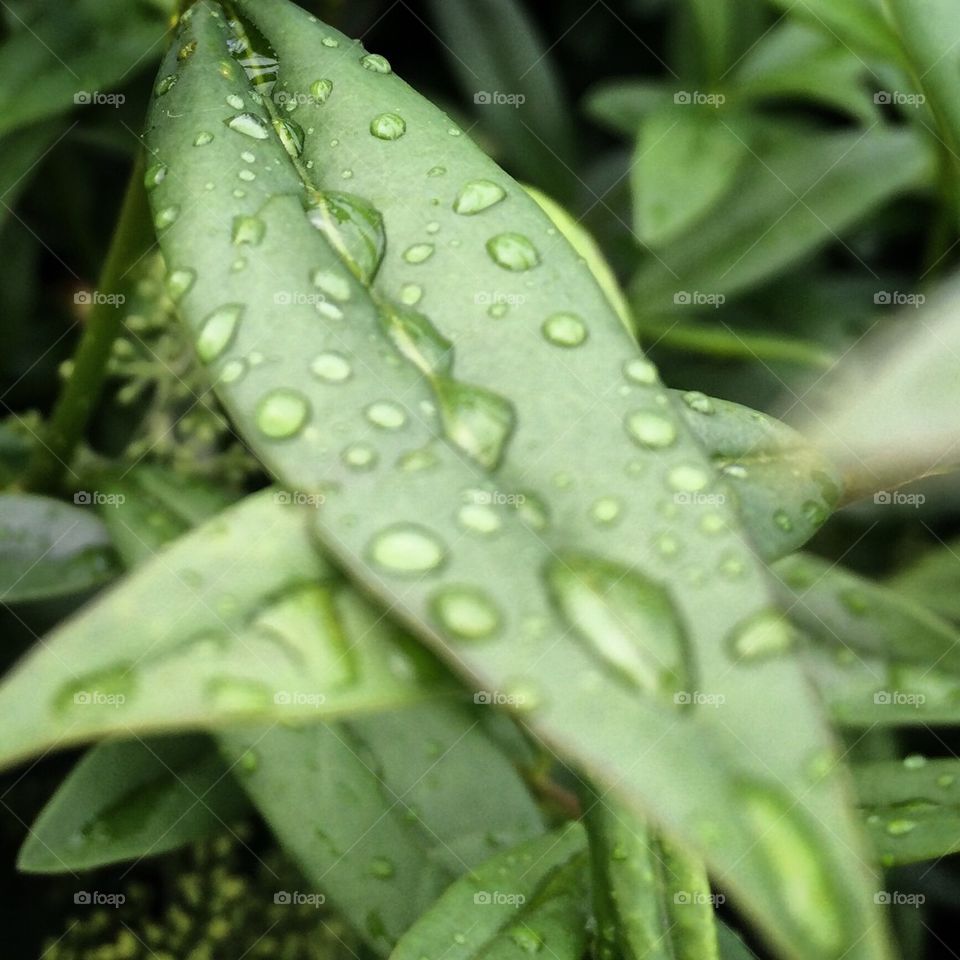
pixel 81 390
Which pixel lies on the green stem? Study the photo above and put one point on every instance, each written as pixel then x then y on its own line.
pixel 81 391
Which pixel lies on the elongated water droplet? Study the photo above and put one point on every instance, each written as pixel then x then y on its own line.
pixel 291 136
pixel 187 50
pixel 331 367
pixel 282 413
pixel 651 430
pixel 388 126
pixel 332 284
pixel 320 90
pixel 688 479
pixel 203 138
pixel 699 402
pixel 565 330
pixel 353 227
pixel 465 612
pixel 479 518
pixel 360 456
pixel 513 251
pixel 155 175
pixel 179 283
pixel 249 230
pixel 900 827
pixel 375 63
pixel 382 868
pixel 407 549
pixel 477 196
pixel 419 253
pixel 764 635
pixel 640 371
pixel 411 294
pixel 250 125
pixel 235 101
pixel 217 331
pixel 166 84
pixel 418 340
pixel 166 217
pixel 627 620
pixel 479 422
pixel 386 415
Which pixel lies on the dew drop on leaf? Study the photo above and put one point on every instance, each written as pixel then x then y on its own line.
pixel 282 413
pixel 479 422
pixel 565 330
pixel 388 126
pixel 291 136
pixel 166 217
pixel 386 415
pixel 419 253
pixel 762 636
pixel 699 402
pixel 375 63
pixel 179 283
pixel 248 230
pixel 156 173
pixel 331 367
pixel 640 371
pixel 217 331
pixel 479 518
pixel 688 479
pixel 332 284
pixel 407 549
pixel 465 613
pixel 651 430
pixel 360 456
pixel 203 138
pixel 250 125
pixel 513 251
pixel 353 227
pixel 320 90
pixel 477 196
pixel 236 695
pixel 166 84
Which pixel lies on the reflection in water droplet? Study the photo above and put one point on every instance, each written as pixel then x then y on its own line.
pixel 282 413
pixel 166 84
pixel 479 422
pixel 376 63
pixel 477 196
pixel 235 101
pixel 156 173
pixel 353 227
pixel 418 340
pixel 291 136
pixel 320 90
pixel 250 125
pixel 465 612
pixel 407 549
pixel 388 126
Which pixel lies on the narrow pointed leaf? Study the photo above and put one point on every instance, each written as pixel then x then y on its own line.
pixel 131 799
pixel 471 591
pixel 933 581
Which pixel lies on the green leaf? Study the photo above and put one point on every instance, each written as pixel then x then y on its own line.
pixel 496 52
pixel 797 194
pixel 476 584
pixel 912 808
pixel 526 900
pixel 652 902
pixel 74 55
pixel 715 29
pixel 933 581
pixel 861 25
pixel 131 799
pixel 383 814
pixel 50 549
pixel 851 612
pixel 686 159
pixel 240 620
pixel 622 105
pixel 783 487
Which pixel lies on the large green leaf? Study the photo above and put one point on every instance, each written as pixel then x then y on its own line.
pixel 526 900
pixel 383 814
pixel 622 105
pixel 933 580
pixel 798 193
pixel 233 622
pixel 131 799
pixel 50 549
pixel 514 599
pixel 912 808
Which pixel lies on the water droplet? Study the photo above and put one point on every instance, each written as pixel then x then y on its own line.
pixel 376 63
pixel 179 283
pixel 416 460
pixel 651 430
pixel 465 612
pixel 533 511
pixel 166 217
pixel 915 761
pixel 565 330
pixel 331 42
pixel 291 136
pixel 407 549
pixel 386 415
pixel 250 125
pixel 855 601
pixel 232 371
pixel 900 827
pixel 418 340
pixel 606 510
pixel 640 371
pixel 688 479
pixel 498 311
pixel 105 688
pixel 699 402
pixel 419 253
pixel 359 456
pixel 331 367
pixel 187 50
pixel 332 284
pixel 766 634
pixel 782 519
pixel 155 175
pixel 239 695
pixel 249 230
pixel 235 101
pixel 353 227
pixel 203 138
pixel 282 413
pixel 513 251
pixel 628 620
pixel 388 126
pixel 527 939
pixel 436 171
pixel 945 780
pixel 477 421
pixel 411 294
pixel 477 196
pixel 166 84
pixel 814 513
pixel 320 90
pixel 217 331
pixel 248 176
pixel 732 566
pixel 479 518
pixel 713 523
pixel 382 868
